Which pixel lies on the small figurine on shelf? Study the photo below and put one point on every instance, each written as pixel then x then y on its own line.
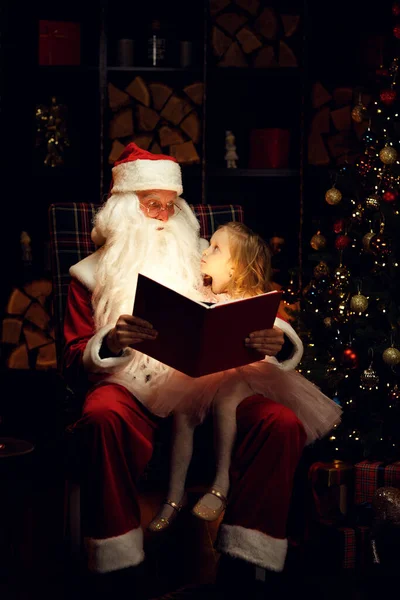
pixel 26 250
pixel 231 156
pixel 52 129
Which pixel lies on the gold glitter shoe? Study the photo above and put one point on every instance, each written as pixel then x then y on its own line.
pixel 205 512
pixel 162 523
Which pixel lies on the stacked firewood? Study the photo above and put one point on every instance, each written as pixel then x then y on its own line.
pixel 27 334
pixel 334 136
pixel 247 33
pixel 156 118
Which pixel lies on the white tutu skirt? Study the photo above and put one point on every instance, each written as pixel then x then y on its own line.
pixel 194 396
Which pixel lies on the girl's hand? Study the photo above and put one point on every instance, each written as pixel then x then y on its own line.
pixel 129 331
pixel 267 341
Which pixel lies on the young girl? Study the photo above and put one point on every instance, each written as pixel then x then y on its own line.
pixel 238 261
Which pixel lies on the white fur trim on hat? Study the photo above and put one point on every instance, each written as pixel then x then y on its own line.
pixel 298 348
pixel 144 174
pixel 91 356
pixel 112 554
pixel 252 546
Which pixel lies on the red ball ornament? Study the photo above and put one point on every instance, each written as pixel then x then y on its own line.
pixel 396 9
pixel 390 196
pixel 338 226
pixel 388 96
pixel 348 358
pixel 396 31
pixel 342 242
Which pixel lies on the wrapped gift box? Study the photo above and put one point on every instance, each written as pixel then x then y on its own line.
pixel 332 490
pixel 59 43
pixel 370 475
pixel 333 548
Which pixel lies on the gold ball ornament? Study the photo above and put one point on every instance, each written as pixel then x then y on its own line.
pixel 369 379
pixel 328 322
pixel 333 196
pixel 366 241
pixel 391 356
pixel 358 113
pixel 359 303
pixel 318 241
pixel 372 202
pixel 388 155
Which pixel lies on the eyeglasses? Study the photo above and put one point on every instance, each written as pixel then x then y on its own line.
pixel 154 208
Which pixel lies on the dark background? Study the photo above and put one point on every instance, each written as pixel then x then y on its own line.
pixel 343 45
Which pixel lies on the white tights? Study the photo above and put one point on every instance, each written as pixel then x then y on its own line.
pixel 225 404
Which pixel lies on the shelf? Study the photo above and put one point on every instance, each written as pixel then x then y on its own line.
pixel 157 69
pixel 66 68
pixel 289 72
pixel 254 173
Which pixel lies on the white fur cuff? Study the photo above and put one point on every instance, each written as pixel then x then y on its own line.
pixel 91 356
pixel 252 546
pixel 115 553
pixel 298 349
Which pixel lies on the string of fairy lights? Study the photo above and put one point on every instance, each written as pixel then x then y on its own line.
pixel 355 301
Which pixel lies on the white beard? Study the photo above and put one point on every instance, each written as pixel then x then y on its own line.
pixel 135 244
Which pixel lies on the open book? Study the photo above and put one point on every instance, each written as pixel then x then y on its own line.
pixel 196 338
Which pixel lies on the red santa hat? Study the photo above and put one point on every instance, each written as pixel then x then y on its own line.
pixel 137 170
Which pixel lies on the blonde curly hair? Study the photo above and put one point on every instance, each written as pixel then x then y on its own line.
pixel 251 261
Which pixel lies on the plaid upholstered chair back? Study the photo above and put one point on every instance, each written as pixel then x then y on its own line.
pixel 70 226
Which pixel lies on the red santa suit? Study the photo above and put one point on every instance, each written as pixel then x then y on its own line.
pixel 117 429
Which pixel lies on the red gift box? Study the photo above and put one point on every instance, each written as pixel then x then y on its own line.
pixel 269 148
pixel 59 43
pixel 332 489
pixel 337 548
pixel 371 475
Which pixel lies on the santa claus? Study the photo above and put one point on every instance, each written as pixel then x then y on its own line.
pixel 145 226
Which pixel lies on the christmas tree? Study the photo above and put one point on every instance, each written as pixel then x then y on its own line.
pixel 350 304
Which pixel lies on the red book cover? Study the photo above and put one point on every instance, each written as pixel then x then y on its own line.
pixel 198 339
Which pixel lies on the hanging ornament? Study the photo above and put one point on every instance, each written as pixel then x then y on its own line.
pixel 359 303
pixel 396 9
pixel 369 379
pixel 342 242
pixel 372 202
pixel 318 241
pixel 328 322
pixel 396 31
pixel 366 241
pixel 391 356
pixel 380 245
pixel 358 113
pixel 321 270
pixel 388 155
pixel 333 196
pixel 390 195
pixel 388 96
pixel 348 358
